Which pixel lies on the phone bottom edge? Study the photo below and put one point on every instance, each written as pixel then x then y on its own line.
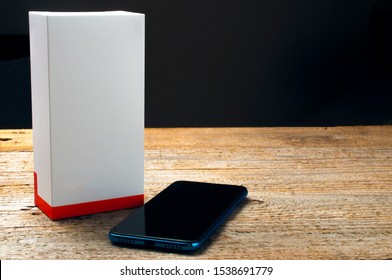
pixel 154 243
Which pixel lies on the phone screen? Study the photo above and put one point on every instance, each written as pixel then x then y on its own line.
pixel 182 216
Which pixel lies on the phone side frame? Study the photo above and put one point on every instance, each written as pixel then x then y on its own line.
pixel 146 242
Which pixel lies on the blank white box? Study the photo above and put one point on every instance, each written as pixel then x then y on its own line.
pixel 87 79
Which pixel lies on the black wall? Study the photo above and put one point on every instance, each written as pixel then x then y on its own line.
pixel 236 63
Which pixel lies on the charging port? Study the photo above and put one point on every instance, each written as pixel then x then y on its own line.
pixel 149 243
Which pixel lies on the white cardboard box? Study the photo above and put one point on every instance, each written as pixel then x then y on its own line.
pixel 87 79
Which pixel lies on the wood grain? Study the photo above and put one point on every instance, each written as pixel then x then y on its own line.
pixel 314 193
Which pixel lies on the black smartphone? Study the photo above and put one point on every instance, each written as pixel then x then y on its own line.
pixel 181 217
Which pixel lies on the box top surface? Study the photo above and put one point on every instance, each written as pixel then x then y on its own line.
pixel 73 14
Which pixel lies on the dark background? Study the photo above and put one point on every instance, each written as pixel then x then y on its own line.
pixel 236 63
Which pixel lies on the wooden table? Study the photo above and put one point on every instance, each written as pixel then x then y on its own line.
pixel 314 193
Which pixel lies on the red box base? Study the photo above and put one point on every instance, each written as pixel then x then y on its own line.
pixel 86 208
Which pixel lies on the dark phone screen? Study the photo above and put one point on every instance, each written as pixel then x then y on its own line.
pixel 182 211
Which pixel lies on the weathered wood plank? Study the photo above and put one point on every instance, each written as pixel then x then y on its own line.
pixel 314 193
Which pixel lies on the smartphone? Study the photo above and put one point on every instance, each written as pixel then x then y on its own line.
pixel 181 217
